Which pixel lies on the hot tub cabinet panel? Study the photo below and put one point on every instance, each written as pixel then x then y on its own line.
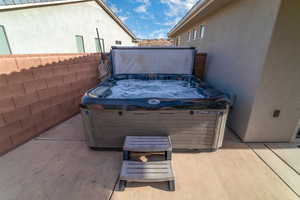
pixel 188 129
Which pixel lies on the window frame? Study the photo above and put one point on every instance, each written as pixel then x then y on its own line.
pixel 118 42
pixel 97 43
pixel 189 35
pixel 298 132
pixel 103 42
pixel 178 40
pixel 102 48
pixel 7 41
pixel 83 46
pixel 194 34
pixel 201 31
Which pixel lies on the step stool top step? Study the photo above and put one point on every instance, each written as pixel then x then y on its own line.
pixel 157 171
pixel 147 143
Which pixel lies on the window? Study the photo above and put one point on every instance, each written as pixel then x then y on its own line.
pixel 194 34
pixel 118 42
pixel 4 45
pixel 189 36
pixel 103 46
pixel 80 43
pixel 99 45
pixel 201 31
pixel 177 41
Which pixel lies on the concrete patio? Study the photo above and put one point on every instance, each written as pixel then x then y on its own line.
pixel 58 165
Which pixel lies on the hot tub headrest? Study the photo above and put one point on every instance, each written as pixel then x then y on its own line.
pixel 153 60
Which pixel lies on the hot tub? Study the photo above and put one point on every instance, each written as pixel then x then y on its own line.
pixel 179 105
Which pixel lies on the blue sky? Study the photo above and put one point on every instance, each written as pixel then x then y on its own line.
pixel 150 18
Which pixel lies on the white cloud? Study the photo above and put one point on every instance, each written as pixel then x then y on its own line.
pixel 170 22
pixel 147 16
pixel 157 34
pixel 177 8
pixel 143 1
pixel 160 33
pixel 123 18
pixel 144 7
pixel 141 36
pixel 118 11
pixel 115 9
pixel 141 9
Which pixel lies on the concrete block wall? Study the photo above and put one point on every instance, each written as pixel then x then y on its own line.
pixel 40 90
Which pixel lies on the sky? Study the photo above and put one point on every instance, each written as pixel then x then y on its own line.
pixel 149 19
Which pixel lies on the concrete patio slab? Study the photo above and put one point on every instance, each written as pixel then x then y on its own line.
pixel 70 130
pixel 279 166
pixel 58 165
pixel 57 170
pixel 289 153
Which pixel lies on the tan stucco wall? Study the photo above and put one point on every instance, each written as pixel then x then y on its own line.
pixel 280 82
pixel 236 40
pixel 52 29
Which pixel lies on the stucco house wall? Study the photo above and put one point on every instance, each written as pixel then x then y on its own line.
pixel 236 40
pixel 279 87
pixel 52 29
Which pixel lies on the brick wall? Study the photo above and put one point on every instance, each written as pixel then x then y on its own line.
pixel 39 91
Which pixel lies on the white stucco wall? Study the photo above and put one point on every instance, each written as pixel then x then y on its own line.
pixel 52 29
pixel 236 40
pixel 280 82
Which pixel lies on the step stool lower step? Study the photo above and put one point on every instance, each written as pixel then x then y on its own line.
pixel 158 171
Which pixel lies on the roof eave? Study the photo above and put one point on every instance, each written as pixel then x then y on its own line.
pixel 40 4
pixel 188 16
pixel 116 18
pixel 202 8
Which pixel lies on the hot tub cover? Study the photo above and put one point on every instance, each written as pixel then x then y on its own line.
pixel 149 60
